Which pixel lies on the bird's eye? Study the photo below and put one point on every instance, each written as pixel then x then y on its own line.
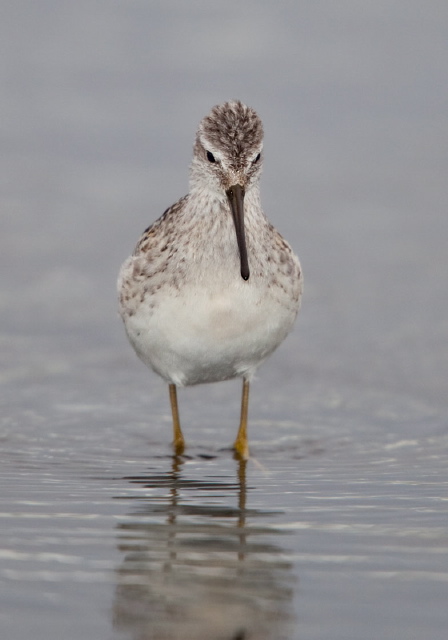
pixel 210 157
pixel 257 158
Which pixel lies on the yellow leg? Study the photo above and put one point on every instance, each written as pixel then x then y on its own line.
pixel 178 441
pixel 241 445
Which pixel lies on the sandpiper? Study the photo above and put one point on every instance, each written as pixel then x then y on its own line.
pixel 212 288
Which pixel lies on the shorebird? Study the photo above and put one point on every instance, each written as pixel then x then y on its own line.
pixel 212 288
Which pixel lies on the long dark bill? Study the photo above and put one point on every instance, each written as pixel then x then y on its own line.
pixel 235 196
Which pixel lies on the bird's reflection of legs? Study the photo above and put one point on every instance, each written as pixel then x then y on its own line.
pixel 242 464
pixel 175 479
pixel 176 465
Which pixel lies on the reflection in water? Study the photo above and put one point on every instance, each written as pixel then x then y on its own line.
pixel 195 567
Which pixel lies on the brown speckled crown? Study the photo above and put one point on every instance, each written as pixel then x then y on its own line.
pixel 232 127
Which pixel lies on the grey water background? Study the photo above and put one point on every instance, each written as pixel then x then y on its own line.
pixel 338 527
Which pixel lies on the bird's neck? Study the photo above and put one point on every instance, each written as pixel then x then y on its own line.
pixel 210 199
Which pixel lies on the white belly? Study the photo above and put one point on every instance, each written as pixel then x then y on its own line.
pixel 197 336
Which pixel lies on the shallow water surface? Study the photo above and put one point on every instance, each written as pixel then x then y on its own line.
pixel 317 536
